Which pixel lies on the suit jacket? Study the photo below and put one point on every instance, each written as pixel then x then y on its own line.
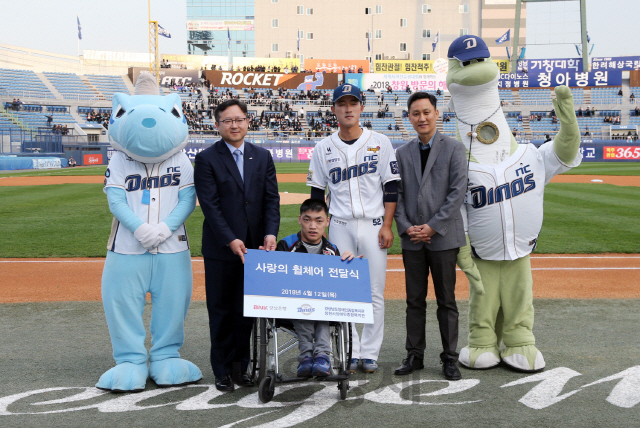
pixel 435 196
pixel 232 208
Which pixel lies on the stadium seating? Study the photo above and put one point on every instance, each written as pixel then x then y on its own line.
pixel 22 83
pixel 71 86
pixel 605 95
pixel 107 85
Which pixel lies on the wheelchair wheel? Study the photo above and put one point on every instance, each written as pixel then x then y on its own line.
pixel 253 370
pixel 265 392
pixel 263 349
pixel 341 348
pixel 343 386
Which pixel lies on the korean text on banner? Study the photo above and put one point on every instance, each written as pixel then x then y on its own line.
pixel 306 286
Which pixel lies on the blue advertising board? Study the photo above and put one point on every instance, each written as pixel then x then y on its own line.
pixel 555 78
pixel 279 284
pixel 621 63
pixel 560 65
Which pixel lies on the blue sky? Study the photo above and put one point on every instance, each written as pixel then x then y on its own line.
pixel 121 25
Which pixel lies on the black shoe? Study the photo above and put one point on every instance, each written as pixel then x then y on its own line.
pixel 450 370
pixel 409 364
pixel 244 380
pixel 224 383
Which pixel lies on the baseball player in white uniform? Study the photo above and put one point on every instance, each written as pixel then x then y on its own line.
pixel 360 169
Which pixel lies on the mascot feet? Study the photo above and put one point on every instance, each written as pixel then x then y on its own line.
pixel 479 358
pixel 523 358
pixel 174 372
pixel 125 377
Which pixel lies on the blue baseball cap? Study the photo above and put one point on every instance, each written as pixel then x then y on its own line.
pixel 345 90
pixel 465 48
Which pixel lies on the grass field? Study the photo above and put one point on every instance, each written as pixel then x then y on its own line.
pixel 587 168
pixel 73 220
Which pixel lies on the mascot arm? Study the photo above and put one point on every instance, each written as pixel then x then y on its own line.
pixel 465 261
pixel 567 142
pixel 182 211
pixel 121 210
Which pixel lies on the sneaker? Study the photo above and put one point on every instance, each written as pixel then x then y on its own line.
pixel 304 367
pixel 369 366
pixel 353 367
pixel 321 366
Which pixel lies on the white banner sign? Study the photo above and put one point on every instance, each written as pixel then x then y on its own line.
pixel 398 82
pixel 46 163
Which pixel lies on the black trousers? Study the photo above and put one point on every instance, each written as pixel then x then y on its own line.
pixel 443 270
pixel 230 330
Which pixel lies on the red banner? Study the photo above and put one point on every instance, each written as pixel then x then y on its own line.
pixel 92 159
pixel 620 152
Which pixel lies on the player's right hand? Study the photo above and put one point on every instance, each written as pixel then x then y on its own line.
pixel 238 248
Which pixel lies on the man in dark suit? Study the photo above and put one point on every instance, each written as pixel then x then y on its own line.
pixel 433 169
pixel 236 185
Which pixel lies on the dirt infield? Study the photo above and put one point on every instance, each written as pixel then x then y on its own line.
pixel 301 178
pixel 614 276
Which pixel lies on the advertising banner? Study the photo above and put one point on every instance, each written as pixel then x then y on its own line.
pixel 317 287
pixel 240 61
pixel 559 65
pixel 621 152
pixel 247 79
pixel 336 65
pixel 93 55
pixel 409 66
pixel 92 159
pixel 46 163
pixel 305 153
pixel 197 61
pixel 555 78
pixel 180 76
pixel 616 63
pixel 219 25
pixel 398 82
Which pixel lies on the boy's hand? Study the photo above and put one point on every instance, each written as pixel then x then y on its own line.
pixel 348 256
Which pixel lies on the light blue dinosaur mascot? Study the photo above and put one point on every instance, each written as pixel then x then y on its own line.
pixel 149 186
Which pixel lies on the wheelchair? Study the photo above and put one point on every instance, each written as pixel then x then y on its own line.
pixel 266 348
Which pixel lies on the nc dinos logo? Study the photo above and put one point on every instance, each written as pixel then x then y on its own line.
pixel 306 310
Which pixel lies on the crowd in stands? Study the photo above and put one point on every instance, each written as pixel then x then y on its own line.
pixel 322 125
pixel 100 118
pixel 612 119
pixel 16 103
pixel 269 98
pixel 166 64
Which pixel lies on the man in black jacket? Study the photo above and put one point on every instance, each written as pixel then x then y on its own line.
pixel 238 192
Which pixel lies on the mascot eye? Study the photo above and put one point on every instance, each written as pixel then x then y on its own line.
pixel 120 112
pixel 175 112
pixel 465 63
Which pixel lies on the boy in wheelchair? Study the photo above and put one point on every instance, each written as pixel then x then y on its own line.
pixel 314 355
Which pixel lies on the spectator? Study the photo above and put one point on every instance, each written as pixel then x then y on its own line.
pixel 547 138
pixel 408 89
pixel 389 88
pixel 438 92
pixel 49 120
pixel 519 117
pixel 390 128
pixel 620 92
pixel 397 128
pixel 632 98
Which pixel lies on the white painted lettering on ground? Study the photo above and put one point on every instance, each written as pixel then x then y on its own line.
pixel 548 392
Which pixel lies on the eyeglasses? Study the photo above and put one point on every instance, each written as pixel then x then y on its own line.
pixel 228 122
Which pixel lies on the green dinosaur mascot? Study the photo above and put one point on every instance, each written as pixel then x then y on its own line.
pixel 502 209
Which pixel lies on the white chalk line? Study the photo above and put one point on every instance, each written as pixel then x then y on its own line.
pixel 388 270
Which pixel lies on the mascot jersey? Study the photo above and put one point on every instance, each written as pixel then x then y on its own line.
pixel 163 181
pixel 504 201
